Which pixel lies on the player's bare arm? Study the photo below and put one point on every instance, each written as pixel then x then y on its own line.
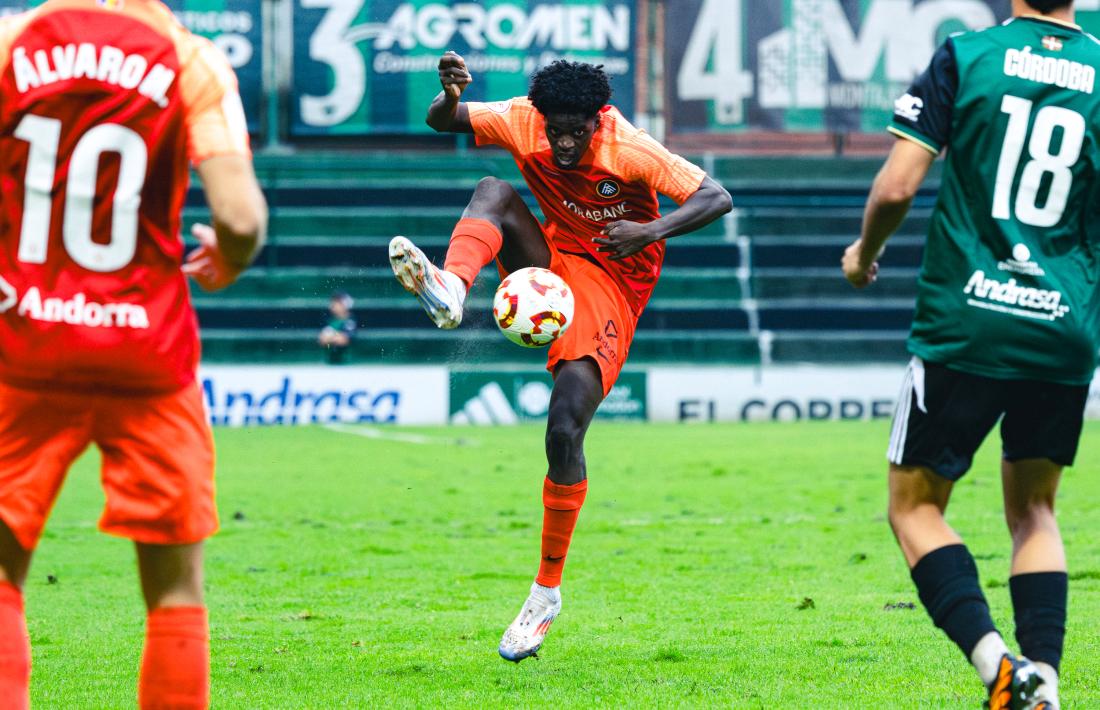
pixel 448 114
pixel 239 215
pixel 624 238
pixel 891 195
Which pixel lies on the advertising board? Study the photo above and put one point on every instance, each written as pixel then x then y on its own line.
pixel 270 395
pixel 363 66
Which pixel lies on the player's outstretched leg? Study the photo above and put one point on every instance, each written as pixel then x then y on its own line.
pixel 175 664
pixel 15 650
pixel 578 390
pixel 495 223
pixel 946 578
pixel 1039 584
pixel 440 292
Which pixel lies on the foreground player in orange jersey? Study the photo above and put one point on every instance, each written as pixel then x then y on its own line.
pixel 103 106
pixel 596 178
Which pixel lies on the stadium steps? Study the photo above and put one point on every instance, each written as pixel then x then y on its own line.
pixel 835 346
pixel 318 283
pixel 463 346
pixel 702 314
pixel 804 221
pixel 373 252
pixel 740 173
pixel 290 225
pixel 777 283
pixel 836 314
pixel 827 250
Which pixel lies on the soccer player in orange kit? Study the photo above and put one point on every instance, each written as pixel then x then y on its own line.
pixel 103 107
pixel 596 179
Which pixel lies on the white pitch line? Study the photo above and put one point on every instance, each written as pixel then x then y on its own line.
pixel 403 437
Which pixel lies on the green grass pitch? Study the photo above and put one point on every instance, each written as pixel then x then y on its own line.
pixel 724 565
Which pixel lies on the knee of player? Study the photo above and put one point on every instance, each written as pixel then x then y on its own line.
pixel 902 512
pixel 564 439
pixel 1029 515
pixel 495 189
pixel 895 515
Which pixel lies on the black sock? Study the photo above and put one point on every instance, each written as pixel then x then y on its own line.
pixel 947 583
pixel 1039 600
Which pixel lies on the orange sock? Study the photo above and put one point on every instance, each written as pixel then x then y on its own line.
pixel 175 667
pixel 561 506
pixel 474 243
pixel 15 650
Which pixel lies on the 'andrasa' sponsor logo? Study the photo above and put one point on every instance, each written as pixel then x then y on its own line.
pixel 78 310
pixel 1012 298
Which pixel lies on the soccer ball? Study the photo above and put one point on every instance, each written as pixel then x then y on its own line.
pixel 533 307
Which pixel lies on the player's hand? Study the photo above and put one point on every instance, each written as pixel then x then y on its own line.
pixel 207 264
pixel 858 274
pixel 622 239
pixel 453 74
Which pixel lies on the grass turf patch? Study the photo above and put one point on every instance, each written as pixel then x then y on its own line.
pixel 745 565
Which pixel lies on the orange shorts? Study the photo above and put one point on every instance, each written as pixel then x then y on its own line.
pixel 603 322
pixel 158 461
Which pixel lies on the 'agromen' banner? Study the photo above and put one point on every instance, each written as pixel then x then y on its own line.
pixel 370 66
pixel 808 65
pixel 235 26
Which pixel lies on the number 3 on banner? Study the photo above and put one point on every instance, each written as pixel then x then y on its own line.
pixel 44 136
pixel 331 44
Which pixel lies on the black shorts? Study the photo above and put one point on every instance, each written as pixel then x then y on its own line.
pixel 943 416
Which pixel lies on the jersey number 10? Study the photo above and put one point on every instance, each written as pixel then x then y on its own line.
pixel 44 136
pixel 1058 165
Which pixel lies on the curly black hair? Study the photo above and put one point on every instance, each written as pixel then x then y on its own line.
pixel 570 87
pixel 1047 5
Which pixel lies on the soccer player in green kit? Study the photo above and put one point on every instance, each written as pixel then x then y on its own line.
pixel 1006 325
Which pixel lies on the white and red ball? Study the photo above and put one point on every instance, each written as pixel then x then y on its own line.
pixel 533 307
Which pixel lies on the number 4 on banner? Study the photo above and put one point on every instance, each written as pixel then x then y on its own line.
pixel 712 68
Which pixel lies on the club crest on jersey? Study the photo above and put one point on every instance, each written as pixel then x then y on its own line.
pixel 1052 43
pixel 607 189
pixel 110 4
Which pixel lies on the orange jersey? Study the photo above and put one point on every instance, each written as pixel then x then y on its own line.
pixel 103 107
pixel 618 178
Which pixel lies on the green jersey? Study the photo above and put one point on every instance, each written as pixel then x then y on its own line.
pixel 1008 288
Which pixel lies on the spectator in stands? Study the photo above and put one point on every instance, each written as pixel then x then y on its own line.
pixel 339 328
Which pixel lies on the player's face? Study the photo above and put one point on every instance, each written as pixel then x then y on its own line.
pixel 569 136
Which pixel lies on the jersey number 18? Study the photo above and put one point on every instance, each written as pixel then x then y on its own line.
pixel 1058 165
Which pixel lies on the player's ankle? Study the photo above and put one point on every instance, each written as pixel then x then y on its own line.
pixel 458 282
pixel 986 656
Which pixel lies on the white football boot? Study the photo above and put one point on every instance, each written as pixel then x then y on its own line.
pixel 524 637
pixel 440 292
